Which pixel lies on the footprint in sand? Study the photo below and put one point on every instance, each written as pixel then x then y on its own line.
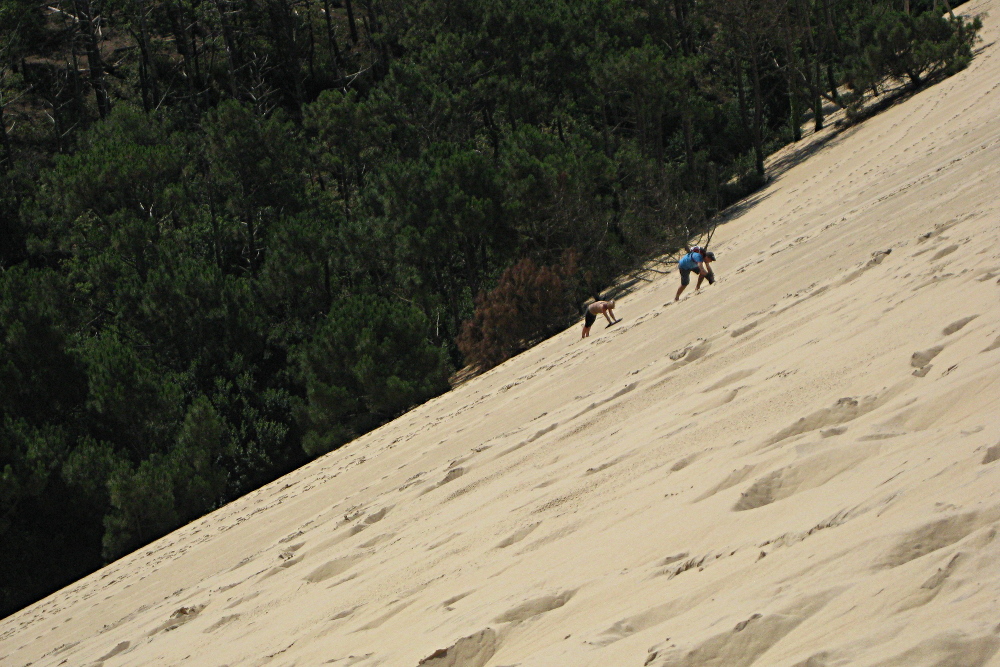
pixel 717 402
pixel 920 359
pixel 334 567
pixel 518 535
pixel 844 410
pixel 350 660
pixel 944 252
pixel 373 518
pixel 813 472
pixel 731 480
pixel 225 620
pixel 935 535
pixel 473 651
pixel 741 646
pixel 449 476
pixel 177 619
pixel 596 404
pixel 378 539
pixel 523 443
pixel 605 465
pixel 930 588
pixel 447 604
pixel 731 378
pixel 384 617
pixel 642 621
pixel 535 607
pixel 680 568
pixel 289 562
pixel 344 614
pixel 957 325
pixel 684 462
pixel 243 599
pixel 115 651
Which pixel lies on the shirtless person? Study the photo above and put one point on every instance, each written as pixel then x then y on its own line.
pixel 697 260
pixel 602 307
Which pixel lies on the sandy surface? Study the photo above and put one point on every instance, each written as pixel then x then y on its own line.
pixel 792 467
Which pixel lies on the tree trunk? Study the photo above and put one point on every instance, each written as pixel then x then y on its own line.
pixel 182 42
pixel 350 22
pixel 758 113
pixel 147 70
pixel 232 52
pixel 62 130
pixel 338 59
pixel 794 112
pixel 832 84
pixel 791 68
pixel 491 129
pixel 741 97
pixel 817 98
pixel 604 129
pixel 199 83
pixel 688 140
pixel 88 29
pixel 312 42
pixel 830 44
pixel 283 36
pixel 8 154
pixel 216 237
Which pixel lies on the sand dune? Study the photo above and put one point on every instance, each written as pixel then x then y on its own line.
pixel 798 466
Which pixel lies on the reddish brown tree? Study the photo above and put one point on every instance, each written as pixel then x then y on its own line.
pixel 530 302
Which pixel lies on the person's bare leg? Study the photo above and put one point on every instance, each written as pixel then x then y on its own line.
pixel 679 290
pixel 586 332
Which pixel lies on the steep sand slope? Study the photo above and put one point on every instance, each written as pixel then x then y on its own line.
pixel 797 466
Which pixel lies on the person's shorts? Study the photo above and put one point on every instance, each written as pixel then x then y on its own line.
pixel 589 319
pixel 686 277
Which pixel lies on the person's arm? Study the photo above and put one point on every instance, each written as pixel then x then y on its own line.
pixel 702 271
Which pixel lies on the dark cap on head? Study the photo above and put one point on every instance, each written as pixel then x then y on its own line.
pixel 710 255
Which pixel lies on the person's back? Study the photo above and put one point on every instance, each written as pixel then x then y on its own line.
pixel 698 261
pixel 606 308
pixel 690 261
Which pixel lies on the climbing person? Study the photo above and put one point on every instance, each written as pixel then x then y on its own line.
pixel 599 307
pixel 696 260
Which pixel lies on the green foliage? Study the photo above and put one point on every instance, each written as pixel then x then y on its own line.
pixel 40 380
pixel 87 469
pixel 252 173
pixel 21 26
pixel 142 506
pixel 368 361
pixel 912 47
pixel 165 491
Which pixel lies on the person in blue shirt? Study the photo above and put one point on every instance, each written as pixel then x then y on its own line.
pixel 699 261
